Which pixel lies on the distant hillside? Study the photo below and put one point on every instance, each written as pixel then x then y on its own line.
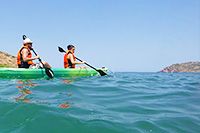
pixel 7 60
pixel 183 67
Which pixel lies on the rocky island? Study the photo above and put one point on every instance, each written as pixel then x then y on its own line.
pixel 183 67
pixel 7 60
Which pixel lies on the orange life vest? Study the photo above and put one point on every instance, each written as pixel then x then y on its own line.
pixel 19 56
pixel 67 62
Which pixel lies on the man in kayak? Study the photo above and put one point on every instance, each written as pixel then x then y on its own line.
pixel 25 59
pixel 70 59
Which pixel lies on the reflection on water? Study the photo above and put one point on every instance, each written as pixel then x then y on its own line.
pixel 64 105
pixel 67 81
pixel 30 92
pixel 24 90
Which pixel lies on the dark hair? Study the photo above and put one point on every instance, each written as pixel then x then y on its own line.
pixel 69 47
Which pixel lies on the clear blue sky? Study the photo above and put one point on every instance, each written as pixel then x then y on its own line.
pixel 123 35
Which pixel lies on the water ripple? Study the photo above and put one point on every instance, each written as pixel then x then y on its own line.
pixel 122 102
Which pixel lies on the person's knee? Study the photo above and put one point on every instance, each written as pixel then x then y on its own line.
pixel 46 65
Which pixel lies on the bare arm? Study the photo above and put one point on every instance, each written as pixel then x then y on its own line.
pixel 24 53
pixel 73 61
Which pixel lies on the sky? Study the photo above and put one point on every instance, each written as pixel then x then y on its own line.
pixel 122 35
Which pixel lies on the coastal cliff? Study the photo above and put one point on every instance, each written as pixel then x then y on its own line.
pixel 7 60
pixel 183 67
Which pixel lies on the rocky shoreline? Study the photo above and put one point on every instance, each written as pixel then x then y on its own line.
pixel 7 60
pixel 183 67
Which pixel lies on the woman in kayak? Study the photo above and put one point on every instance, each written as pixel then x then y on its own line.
pixel 69 58
pixel 25 59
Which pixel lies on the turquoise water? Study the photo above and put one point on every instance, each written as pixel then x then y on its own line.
pixel 121 103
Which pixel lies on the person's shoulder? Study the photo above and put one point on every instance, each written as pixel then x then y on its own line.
pixel 69 54
pixel 24 50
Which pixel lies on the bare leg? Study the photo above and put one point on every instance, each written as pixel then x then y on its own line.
pixel 46 65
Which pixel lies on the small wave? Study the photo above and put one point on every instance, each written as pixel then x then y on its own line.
pixel 122 102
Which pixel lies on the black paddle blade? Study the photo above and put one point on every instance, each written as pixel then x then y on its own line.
pixel 101 72
pixel 61 50
pixel 49 73
pixel 24 37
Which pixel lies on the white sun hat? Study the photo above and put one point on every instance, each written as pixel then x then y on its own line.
pixel 27 40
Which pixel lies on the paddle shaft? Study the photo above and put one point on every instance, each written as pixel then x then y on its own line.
pixel 38 58
pixel 102 73
pixel 86 63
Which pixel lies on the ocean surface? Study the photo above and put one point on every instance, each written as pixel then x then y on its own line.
pixel 119 103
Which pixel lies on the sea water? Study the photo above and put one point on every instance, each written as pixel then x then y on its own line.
pixel 119 103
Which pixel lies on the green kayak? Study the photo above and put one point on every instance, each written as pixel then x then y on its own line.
pixel 21 73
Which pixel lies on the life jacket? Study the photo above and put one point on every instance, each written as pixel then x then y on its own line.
pixel 67 62
pixel 20 62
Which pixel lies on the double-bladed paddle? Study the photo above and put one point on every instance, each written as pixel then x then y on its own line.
pixel 101 72
pixel 48 71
